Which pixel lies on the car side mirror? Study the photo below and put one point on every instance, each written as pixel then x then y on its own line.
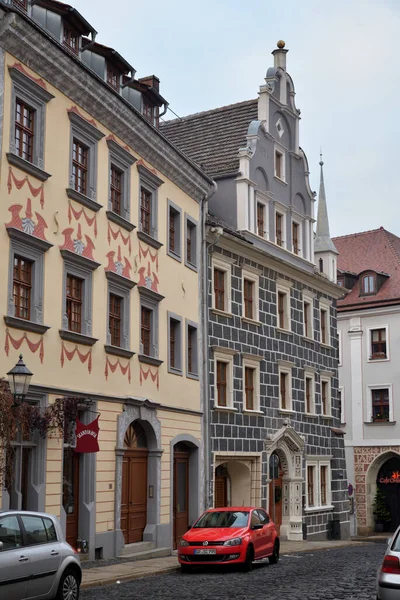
pixel 257 526
pixel 389 541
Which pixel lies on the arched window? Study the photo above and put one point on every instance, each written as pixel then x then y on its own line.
pixel 368 283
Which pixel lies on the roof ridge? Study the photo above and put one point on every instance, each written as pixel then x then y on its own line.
pixel 348 235
pixel 207 112
pixel 389 241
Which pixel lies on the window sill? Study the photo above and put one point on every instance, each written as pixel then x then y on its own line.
pixel 285 411
pixel 311 415
pixel 191 266
pixel 280 180
pixel 378 360
pixel 327 346
pixel 225 408
pixel 174 256
pixel 77 338
pixel 150 360
pixel 222 313
pixel 84 200
pixel 287 331
pixel 118 220
pixel 28 167
pixel 313 509
pixel 307 339
pixel 326 417
pixel 246 411
pixel 149 240
pixel 193 376
pixel 172 371
pixel 251 321
pixel 31 326
pixel 384 423
pixel 117 351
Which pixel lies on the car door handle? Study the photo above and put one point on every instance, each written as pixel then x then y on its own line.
pixel 23 559
pixel 54 553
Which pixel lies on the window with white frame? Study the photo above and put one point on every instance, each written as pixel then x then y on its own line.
pixel 261 219
pixel 341 404
pixel 221 280
pixel 318 483
pixel 285 385
pixel 308 313
pixel 324 321
pixel 309 392
pixel 279 228
pixel 223 378
pixel 283 304
pixel 251 383
pixel 250 287
pixel 296 238
pixel 279 164
pixel 380 403
pixel 325 392
pixel 378 340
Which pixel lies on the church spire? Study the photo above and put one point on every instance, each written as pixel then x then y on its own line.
pixel 323 241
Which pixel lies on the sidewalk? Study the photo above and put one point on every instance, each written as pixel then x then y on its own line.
pixel 126 571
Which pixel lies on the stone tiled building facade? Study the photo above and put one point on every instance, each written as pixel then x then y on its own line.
pixel 274 415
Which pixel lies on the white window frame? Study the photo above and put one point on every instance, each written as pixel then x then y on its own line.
pixel 342 410
pixel 340 349
pixel 299 223
pixel 281 151
pixel 309 373
pixel 261 199
pixel 309 298
pixel 253 362
pixel 326 378
pixel 224 355
pixel 324 306
pixel 380 386
pixel 223 264
pixel 369 344
pixel 284 286
pixel 317 463
pixel 285 367
pixel 252 275
pixel 279 209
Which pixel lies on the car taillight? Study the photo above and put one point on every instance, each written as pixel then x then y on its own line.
pixel 391 564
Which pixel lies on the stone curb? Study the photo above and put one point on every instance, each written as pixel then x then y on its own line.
pixel 163 571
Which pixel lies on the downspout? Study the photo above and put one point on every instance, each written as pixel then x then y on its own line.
pixel 204 375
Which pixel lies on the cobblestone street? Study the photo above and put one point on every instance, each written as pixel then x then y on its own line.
pixel 337 574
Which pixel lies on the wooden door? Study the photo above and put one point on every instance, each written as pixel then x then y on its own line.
pixel 134 485
pixel 221 491
pixel 71 494
pixel 275 501
pixel 181 492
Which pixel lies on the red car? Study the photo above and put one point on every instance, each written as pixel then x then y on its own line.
pixel 234 535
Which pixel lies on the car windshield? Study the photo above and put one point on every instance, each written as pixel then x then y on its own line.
pixel 223 518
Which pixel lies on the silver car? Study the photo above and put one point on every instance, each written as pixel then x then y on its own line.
pixel 35 560
pixel 388 584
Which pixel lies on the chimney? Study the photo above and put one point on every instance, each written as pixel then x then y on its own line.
pixel 280 55
pixel 151 81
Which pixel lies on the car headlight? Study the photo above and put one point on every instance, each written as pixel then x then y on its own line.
pixel 184 543
pixel 233 542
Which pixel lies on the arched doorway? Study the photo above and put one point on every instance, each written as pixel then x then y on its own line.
pixel 181 492
pixel 275 489
pixel 388 481
pixel 134 484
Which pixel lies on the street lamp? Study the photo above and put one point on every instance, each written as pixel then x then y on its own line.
pixel 19 379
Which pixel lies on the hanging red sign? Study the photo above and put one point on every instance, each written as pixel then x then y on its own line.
pixel 87 436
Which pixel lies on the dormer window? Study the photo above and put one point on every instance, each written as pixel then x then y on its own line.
pixel 71 40
pixel 368 284
pixel 113 77
pixel 148 111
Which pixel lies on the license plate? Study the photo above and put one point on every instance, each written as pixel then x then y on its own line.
pixel 204 551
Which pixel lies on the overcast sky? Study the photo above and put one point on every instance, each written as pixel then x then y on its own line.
pixel 344 61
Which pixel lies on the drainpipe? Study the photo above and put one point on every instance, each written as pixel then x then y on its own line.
pixel 204 375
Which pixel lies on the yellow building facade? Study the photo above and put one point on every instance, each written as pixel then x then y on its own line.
pixel 100 270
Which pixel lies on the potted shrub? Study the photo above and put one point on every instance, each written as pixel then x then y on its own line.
pixel 380 511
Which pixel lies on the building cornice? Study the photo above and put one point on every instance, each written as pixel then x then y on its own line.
pixel 322 285
pixel 25 40
pixel 348 313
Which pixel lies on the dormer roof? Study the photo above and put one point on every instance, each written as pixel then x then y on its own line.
pixel 112 56
pixel 70 14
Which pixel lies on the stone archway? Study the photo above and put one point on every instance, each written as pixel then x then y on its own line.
pixel 365 492
pixel 146 416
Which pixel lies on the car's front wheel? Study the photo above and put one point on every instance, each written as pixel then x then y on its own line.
pixel 68 588
pixel 248 563
pixel 274 558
